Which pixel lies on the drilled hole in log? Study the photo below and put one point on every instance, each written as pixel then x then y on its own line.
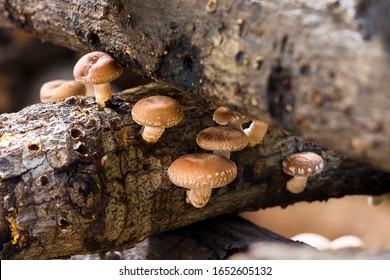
pixel 305 70
pixel 76 133
pixel 80 148
pixel 4 164
pixel 71 100
pixel 44 180
pixel 94 39
pixel 188 62
pixel 240 56
pixel 34 147
pixel 258 63
pixel 63 223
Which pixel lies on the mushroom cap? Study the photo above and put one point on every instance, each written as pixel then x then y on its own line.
pixel 223 115
pixel 222 138
pixel 346 242
pixel 195 171
pixel 318 241
pixel 96 68
pixel 58 90
pixel 303 164
pixel 157 110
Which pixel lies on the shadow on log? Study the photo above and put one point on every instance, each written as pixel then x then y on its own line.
pixel 228 237
pixel 213 239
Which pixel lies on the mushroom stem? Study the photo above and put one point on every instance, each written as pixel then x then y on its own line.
pixel 226 154
pixel 198 197
pixel 256 132
pixel 296 184
pixel 152 133
pixel 102 93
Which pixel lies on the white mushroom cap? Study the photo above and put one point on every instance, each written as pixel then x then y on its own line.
pixel 222 139
pixel 303 164
pixel 59 90
pixel 347 242
pixel 318 241
pixel 196 171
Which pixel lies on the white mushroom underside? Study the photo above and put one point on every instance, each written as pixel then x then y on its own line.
pixel 256 132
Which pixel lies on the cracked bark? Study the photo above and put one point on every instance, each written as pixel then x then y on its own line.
pixel 316 70
pixel 77 179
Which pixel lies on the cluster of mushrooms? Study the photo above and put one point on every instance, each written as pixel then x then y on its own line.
pixel 198 173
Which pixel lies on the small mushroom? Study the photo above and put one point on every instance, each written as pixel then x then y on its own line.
pixel 347 242
pixel 156 113
pixel 200 173
pixel 256 132
pixel 222 140
pixel 318 241
pixel 98 69
pixel 376 200
pixel 59 90
pixel 224 116
pixel 301 166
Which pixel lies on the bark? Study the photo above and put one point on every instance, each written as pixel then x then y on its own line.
pixel 76 178
pixel 316 69
pixel 205 240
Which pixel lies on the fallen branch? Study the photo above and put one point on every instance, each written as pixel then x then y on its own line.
pixel 310 67
pixel 77 179
pixel 205 240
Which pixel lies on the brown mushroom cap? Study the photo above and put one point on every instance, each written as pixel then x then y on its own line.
pixel 96 68
pixel 58 90
pixel 157 110
pixel 224 116
pixel 303 164
pixel 194 171
pixel 222 138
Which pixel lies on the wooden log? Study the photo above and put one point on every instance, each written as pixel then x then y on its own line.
pixel 316 69
pixel 204 240
pixel 76 178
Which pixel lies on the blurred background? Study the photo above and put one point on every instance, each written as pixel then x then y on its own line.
pixel 337 217
pixel 26 63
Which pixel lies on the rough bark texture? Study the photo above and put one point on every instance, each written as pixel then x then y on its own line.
pixel 76 178
pixel 317 69
pixel 205 240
